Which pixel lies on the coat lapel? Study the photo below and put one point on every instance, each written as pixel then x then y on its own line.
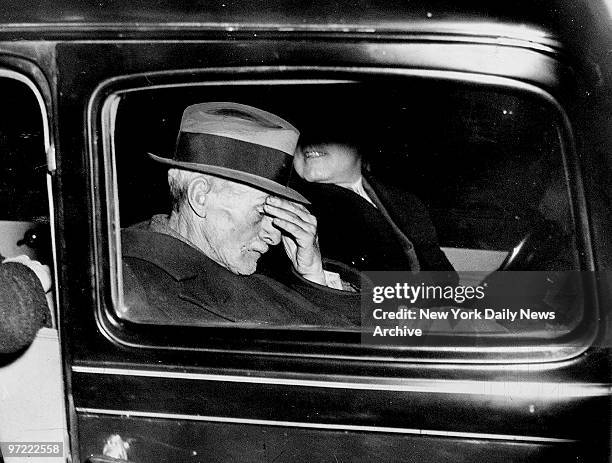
pixel 406 243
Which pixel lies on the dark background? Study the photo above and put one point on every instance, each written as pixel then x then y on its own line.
pixel 23 164
pixel 486 162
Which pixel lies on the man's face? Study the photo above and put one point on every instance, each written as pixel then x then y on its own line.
pixel 327 163
pixel 235 228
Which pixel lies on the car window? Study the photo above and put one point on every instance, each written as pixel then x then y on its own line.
pixel 462 186
pixel 24 214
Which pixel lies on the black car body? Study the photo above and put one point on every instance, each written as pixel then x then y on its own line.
pixel 210 393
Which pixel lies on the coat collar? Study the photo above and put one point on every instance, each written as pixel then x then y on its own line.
pixel 175 257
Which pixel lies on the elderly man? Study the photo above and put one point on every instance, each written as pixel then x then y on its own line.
pixel 198 264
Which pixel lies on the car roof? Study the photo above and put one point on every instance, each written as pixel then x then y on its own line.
pixel 522 20
pixel 579 28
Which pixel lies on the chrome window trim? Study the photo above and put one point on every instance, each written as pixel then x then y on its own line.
pixel 528 36
pixel 109 112
pixel 535 390
pixel 324 426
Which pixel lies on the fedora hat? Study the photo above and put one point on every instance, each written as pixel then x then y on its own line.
pixel 237 142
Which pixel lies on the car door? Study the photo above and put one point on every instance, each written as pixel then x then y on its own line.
pixel 153 392
pixel 502 152
pixel 32 400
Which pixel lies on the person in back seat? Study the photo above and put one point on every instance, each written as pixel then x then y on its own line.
pixel 229 206
pixel 362 221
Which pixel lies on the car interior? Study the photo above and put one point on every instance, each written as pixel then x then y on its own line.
pixel 24 213
pixel 487 163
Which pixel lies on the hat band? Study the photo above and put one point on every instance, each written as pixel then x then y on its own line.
pixel 215 150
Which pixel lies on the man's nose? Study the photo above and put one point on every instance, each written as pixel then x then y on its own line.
pixel 269 233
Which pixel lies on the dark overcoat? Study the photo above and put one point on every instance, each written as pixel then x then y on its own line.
pixel 23 307
pixel 386 237
pixel 167 281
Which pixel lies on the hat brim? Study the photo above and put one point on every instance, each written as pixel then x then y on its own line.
pixel 255 181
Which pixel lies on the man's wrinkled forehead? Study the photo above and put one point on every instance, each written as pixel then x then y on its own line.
pixel 240 191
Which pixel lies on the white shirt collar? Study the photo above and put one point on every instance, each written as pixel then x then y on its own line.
pixel 357 187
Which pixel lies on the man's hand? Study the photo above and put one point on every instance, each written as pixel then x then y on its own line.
pixel 299 236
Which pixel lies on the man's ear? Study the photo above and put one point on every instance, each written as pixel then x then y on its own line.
pixel 198 193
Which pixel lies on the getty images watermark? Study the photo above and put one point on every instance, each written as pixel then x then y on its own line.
pixel 401 308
